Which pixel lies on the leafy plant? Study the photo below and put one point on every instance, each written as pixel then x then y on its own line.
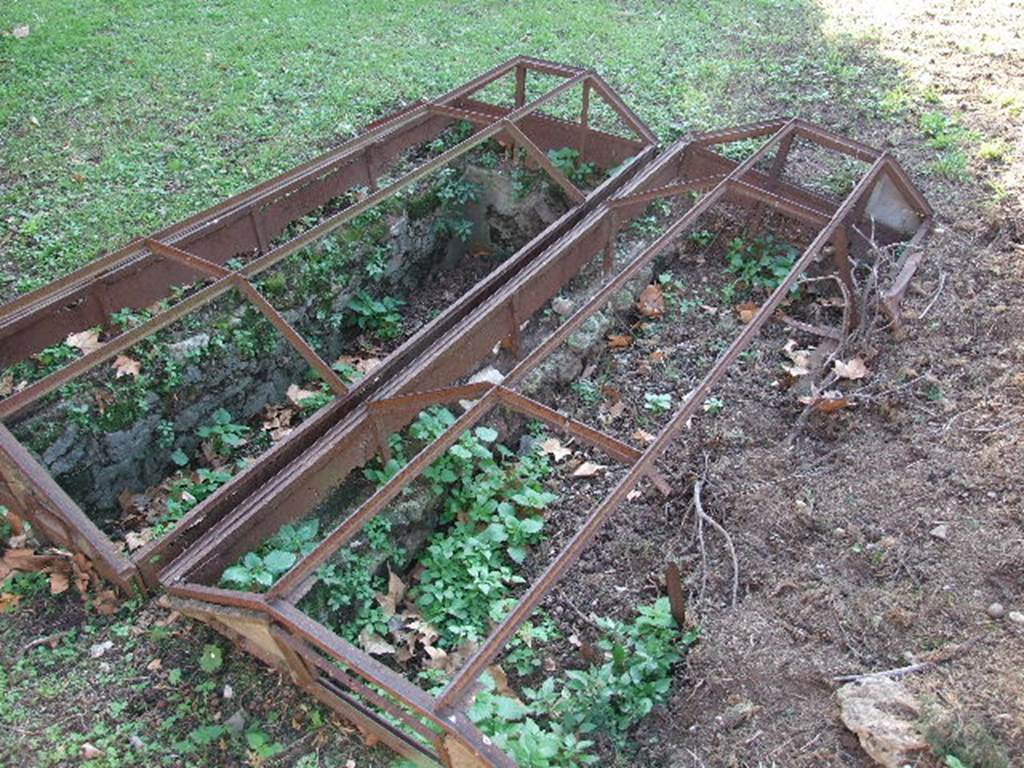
pixel 611 697
pixel 225 436
pixel 587 391
pixel 657 403
pixel 714 405
pixel 567 160
pixel 258 570
pixel 212 658
pixel 455 192
pixel 345 596
pixel 379 317
pixel 761 263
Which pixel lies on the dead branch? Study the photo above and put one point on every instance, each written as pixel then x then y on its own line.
pixel 705 517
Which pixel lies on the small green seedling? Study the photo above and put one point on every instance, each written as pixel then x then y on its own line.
pixel 657 403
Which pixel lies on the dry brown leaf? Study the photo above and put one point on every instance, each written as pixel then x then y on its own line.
pixel 297 394
pixel 828 402
pixel 126 366
pixel 87 341
pixel 21 31
pixel 657 356
pixel 553 447
pixel 374 644
pixel 396 591
pixel 651 302
pixel 620 341
pixel 106 602
pixel 59 582
pixel 588 469
pixel 8 601
pixel 854 369
pixel 615 410
pixel 643 436
pixel 154 665
pixel 438 657
pixel 746 311
pixel 138 539
pixel 611 394
pixel 801 359
pixel 277 420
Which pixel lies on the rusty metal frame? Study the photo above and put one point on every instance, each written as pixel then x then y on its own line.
pixel 686 167
pixel 148 268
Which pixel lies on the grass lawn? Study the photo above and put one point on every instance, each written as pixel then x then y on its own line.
pixel 119 118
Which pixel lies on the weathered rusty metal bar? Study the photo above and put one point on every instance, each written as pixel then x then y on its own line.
pixel 298 343
pixel 668 190
pixel 620 107
pixel 544 161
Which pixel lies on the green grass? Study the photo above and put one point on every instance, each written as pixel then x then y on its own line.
pixel 118 118
pixel 149 698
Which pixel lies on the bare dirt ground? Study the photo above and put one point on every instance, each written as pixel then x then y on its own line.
pixel 840 569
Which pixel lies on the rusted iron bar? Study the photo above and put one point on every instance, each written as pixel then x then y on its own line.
pixel 265 307
pixel 668 190
pixel 620 107
pixel 188 259
pixel 330 377
pixel 522 140
pixel 376 673
pixel 612 446
pixel 676 596
pixel 417 401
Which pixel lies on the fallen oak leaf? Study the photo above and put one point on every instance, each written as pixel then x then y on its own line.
pixel 853 369
pixel 651 302
pixel 86 341
pixel 643 436
pixel 554 448
pixel 126 366
pixel 588 469
pixel 620 341
pixel 374 644
pixel 59 582
pixel 747 310
pixel 801 359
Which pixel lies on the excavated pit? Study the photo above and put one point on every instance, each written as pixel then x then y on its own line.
pixel 118 459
